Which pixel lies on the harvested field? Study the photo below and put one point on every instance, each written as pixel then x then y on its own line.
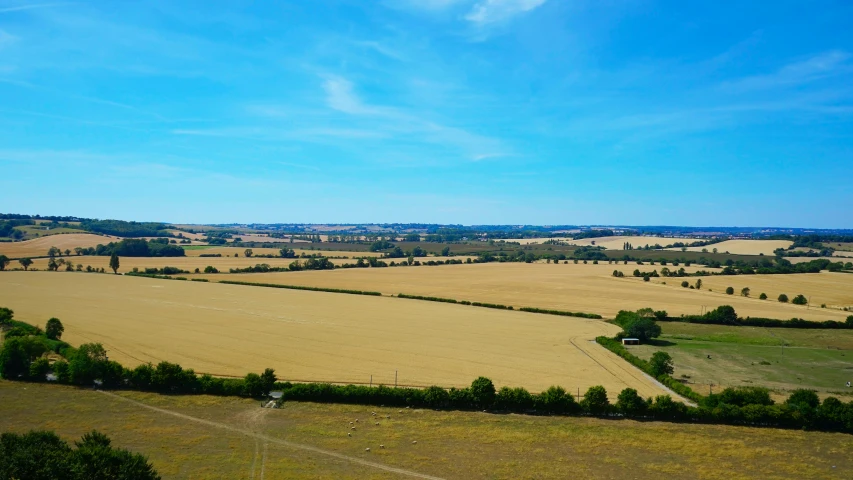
pixel 744 247
pixel 223 264
pixel 241 440
pixel 615 243
pixel 833 289
pixel 585 288
pixel 39 246
pixel 230 251
pixel 232 330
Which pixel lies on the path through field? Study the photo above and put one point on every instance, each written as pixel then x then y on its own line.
pixel 267 439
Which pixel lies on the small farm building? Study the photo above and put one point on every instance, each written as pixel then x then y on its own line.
pixel 630 341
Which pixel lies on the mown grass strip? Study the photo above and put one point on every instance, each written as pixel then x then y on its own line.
pixel 299 287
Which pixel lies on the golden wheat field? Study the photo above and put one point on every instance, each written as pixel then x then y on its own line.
pixel 231 330
pixel 743 247
pixel 223 264
pixel 833 289
pixel 230 251
pixel 39 246
pixel 586 288
pixel 616 243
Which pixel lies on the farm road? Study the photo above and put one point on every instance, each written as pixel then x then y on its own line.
pixel 622 371
pixel 267 439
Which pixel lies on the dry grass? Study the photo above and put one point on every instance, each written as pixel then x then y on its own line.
pixel 449 444
pixel 833 289
pixel 744 247
pixel 231 330
pixel 585 288
pixel 39 246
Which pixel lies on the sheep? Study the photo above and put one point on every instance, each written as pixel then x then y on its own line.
pixel 350 423
pixel 387 417
pixel 373 413
pixel 381 446
pixel 349 434
pixel 356 420
pixel 377 423
pixel 367 449
pixel 414 442
pixel 353 428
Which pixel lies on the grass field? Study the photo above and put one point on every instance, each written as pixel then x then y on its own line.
pixel 833 289
pixel 232 330
pixel 39 246
pixel 744 247
pixel 584 288
pixel 241 441
pixel 778 358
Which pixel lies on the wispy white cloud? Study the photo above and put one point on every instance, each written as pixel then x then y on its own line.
pixel 797 73
pixel 426 4
pixel 6 38
pixel 18 8
pixel 494 11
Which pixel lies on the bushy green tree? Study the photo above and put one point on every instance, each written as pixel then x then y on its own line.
pixel 640 324
pixel 25 262
pixel 800 300
pixel 744 292
pixel 595 400
pixel 630 403
pixel 783 298
pixel 54 329
pixel 4 262
pixel 763 296
pixel 483 392
pixel 730 290
pixel 661 363
pixel 114 263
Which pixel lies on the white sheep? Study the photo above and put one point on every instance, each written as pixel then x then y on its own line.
pixel 414 442
pixel 377 423
pixel 367 449
pixel 349 434
pixel 353 428
pixel 381 446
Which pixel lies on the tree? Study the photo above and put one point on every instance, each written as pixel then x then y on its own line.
pixel 54 252
pixel 730 290
pixel 783 298
pixel 67 252
pixel 52 264
pixel 253 386
pixel 445 252
pixel 268 379
pixel 483 391
pixel 6 315
pixel 4 262
pixel 54 329
pixel 629 402
pixel 25 262
pixel 78 251
pixel 763 296
pixel 114 263
pixel 210 269
pixel 698 284
pixel 661 363
pixel 744 292
pixel 248 252
pixel 640 324
pixel 595 400
pixel 685 284
pixel 800 300
pixel 287 253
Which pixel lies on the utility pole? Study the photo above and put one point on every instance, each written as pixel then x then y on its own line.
pixel 395 378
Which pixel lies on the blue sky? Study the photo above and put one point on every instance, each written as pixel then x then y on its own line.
pixel 445 111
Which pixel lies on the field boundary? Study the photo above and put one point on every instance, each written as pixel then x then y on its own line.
pixel 299 287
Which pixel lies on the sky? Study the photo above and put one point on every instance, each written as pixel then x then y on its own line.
pixel 633 112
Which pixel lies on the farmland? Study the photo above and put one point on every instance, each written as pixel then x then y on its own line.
pixel 745 247
pixel 778 358
pixel 616 243
pixel 184 263
pixel 39 246
pixel 240 440
pixel 575 287
pixel 229 330
pixel 833 289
